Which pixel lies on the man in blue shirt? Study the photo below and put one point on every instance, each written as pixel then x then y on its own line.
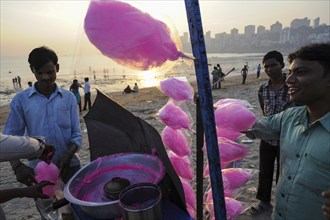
pixel 49 111
pixel 303 189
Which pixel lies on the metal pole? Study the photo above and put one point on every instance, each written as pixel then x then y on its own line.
pixel 206 103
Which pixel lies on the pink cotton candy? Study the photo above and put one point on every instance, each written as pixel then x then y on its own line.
pixel 129 36
pixel 222 102
pixel 191 211
pixel 174 117
pixel 177 89
pixel 233 207
pixel 225 133
pixel 234 117
pixel 206 172
pixel 48 172
pixel 182 166
pixel 231 151
pixel 189 193
pixel 176 141
pixel 236 176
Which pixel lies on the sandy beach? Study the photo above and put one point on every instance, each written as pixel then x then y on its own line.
pixel 146 105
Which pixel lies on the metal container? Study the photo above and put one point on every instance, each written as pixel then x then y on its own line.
pixel 141 202
pixel 86 187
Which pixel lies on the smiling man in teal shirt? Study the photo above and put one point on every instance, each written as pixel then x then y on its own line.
pixel 304 134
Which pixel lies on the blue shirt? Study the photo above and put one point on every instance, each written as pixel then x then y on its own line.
pixel 305 162
pixel 56 119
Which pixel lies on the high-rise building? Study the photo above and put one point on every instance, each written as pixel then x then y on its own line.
pixel 261 29
pixel 277 27
pixel 296 23
pixel 316 22
pixel 249 30
pixel 234 32
pixel 285 35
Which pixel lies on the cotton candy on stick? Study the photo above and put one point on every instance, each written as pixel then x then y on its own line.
pixel 177 89
pixel 174 117
pixel 48 172
pixel 234 117
pixel 237 176
pixel 189 193
pixel 181 166
pixel 176 141
pixel 129 36
pixel 229 134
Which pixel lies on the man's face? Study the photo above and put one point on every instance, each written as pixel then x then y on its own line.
pixel 46 75
pixel 273 68
pixel 307 82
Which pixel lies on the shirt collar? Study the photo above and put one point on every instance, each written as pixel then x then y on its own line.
pixel 269 83
pixel 303 119
pixel 33 90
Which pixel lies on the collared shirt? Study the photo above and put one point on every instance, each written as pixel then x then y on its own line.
pixel 305 161
pixel 272 102
pixel 56 119
pixel 87 87
pixel 17 147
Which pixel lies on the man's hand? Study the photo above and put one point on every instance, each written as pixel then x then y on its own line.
pixel 47 153
pixel 326 205
pixel 64 164
pixel 24 174
pixel 35 191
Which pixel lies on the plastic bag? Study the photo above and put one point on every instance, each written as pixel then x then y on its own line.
pixel 182 166
pixel 177 89
pixel 176 141
pixel 49 172
pixel 174 117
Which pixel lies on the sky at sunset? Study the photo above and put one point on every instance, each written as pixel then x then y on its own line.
pixel 59 24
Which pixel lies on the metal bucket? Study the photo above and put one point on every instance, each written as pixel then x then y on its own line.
pixel 141 201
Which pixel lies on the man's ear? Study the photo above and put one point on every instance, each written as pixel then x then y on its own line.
pixel 57 66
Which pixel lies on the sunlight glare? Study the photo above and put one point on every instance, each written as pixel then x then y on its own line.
pixel 149 78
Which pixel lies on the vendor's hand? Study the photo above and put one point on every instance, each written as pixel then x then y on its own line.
pixel 64 164
pixel 47 153
pixel 35 191
pixel 326 204
pixel 25 174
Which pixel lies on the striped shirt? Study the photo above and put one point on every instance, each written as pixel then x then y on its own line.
pixel 273 102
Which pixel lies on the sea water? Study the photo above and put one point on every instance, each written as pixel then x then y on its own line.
pixel 108 76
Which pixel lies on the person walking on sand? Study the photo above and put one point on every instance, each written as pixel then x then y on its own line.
pixel 303 189
pixel 216 82
pixel 74 88
pixel 221 74
pixel 244 73
pixel 87 96
pixel 273 98
pixel 19 82
pixel 258 70
pixel 49 111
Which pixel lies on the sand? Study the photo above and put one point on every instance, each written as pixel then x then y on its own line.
pixel 146 105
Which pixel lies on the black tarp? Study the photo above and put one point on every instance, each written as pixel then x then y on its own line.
pixel 113 129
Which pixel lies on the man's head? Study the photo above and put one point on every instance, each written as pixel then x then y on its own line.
pixel 86 79
pixel 273 64
pixel 44 64
pixel 309 74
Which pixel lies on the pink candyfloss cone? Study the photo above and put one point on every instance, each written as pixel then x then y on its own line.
pixel 189 193
pixel 182 166
pixel 48 172
pixel 234 117
pixel 223 102
pixel 229 134
pixel 174 117
pixel 175 141
pixel 129 36
pixel 206 172
pixel 177 89
pixel 231 151
pixel 236 176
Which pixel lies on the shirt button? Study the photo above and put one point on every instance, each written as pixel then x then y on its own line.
pixel 280 214
pixel 297 155
pixel 305 154
pixel 283 195
pixel 289 177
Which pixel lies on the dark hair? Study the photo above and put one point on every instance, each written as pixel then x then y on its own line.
pixel 275 55
pixel 86 79
pixel 314 52
pixel 40 56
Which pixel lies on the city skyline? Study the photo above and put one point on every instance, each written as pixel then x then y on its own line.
pixel 59 24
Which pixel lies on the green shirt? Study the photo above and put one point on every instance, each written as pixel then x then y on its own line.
pixel 305 162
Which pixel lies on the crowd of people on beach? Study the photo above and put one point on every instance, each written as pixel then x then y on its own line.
pixel 295 130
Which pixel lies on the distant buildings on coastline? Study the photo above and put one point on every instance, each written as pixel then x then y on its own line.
pixel 259 39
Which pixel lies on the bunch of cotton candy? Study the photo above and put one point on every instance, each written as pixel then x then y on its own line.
pixel 176 141
pixel 229 134
pixel 234 117
pixel 177 89
pixel 174 117
pixel 48 172
pixel 181 166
